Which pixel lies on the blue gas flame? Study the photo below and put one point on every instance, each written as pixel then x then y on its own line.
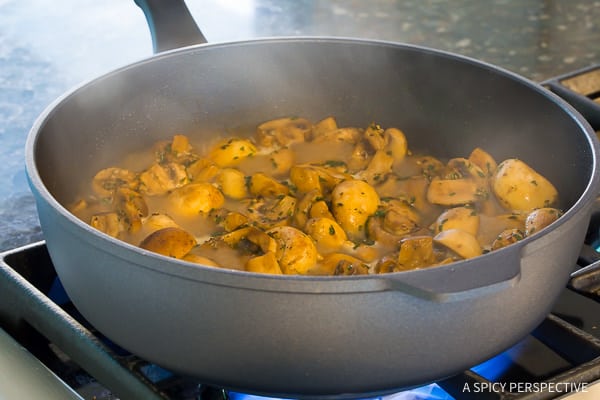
pixel 491 369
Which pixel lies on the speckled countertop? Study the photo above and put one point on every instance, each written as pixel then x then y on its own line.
pixel 47 47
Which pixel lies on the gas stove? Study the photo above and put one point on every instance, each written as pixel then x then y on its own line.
pixel 50 351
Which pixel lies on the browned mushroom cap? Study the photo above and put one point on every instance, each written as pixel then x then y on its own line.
pixel 231 152
pixel 326 233
pixel 540 218
pixel 519 187
pixel 353 202
pixel 507 237
pixel 232 183
pixel 195 198
pixel 171 242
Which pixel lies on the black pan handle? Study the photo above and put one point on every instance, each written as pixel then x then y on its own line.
pixel 171 24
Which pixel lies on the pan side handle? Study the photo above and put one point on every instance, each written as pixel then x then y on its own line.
pixel 466 279
pixel 171 24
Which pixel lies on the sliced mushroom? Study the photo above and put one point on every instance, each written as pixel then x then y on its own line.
pixel 411 190
pixel 491 226
pixel 262 241
pixel 484 161
pixel 359 158
pixel 325 125
pixel 430 166
pixel 263 185
pixel 462 243
pixel 275 163
pixel 108 223
pixel 327 234
pixel 386 264
pixel 296 251
pixel 454 192
pixel 265 264
pixel 464 218
pixel 108 180
pixel 269 212
pixel 348 135
pixel 283 131
pixel 281 161
pixel 221 253
pixel 374 135
pixel 197 259
pixel 283 209
pixel 416 252
pixel 161 178
pixel 366 251
pixel 397 145
pixel 305 178
pixel 302 211
pixel 342 264
pixel 399 218
pixel 155 222
pixel 178 150
pixel 229 220
pixel 376 233
pixel 131 207
pixel 459 167
pixel 320 209
pixel 202 170
pixel 379 166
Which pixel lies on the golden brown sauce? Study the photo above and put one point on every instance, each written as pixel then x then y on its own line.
pixel 297 197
